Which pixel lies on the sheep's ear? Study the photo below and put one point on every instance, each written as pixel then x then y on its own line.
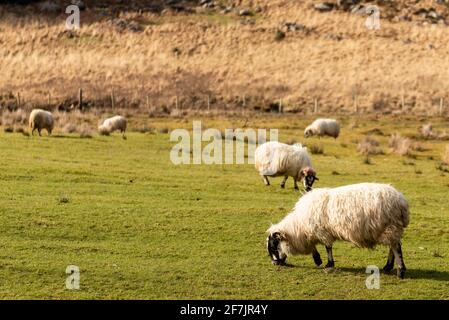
pixel 279 236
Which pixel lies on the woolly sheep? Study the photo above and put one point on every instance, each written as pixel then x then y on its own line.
pixel 273 159
pixel 41 119
pixel 112 124
pixel 323 127
pixel 363 214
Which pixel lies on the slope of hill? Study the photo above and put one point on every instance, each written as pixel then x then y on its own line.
pixel 228 54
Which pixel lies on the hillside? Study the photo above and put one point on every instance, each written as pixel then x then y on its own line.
pixel 228 54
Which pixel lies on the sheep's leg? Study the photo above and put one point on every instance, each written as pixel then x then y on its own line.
pixel 296 184
pixel 265 180
pixel 397 250
pixel 330 257
pixel 39 130
pixel 390 261
pixel 32 131
pixel 316 257
pixel 283 182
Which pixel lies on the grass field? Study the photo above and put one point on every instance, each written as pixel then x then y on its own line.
pixel 140 227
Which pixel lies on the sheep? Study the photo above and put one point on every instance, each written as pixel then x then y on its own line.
pixel 323 127
pixel 41 119
pixel 273 159
pixel 112 124
pixel 364 214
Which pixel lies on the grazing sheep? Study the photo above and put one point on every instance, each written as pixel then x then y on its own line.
pixel 41 119
pixel 273 159
pixel 363 214
pixel 112 124
pixel 323 127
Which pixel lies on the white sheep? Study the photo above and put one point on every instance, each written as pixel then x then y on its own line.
pixel 323 127
pixel 273 159
pixel 112 124
pixel 363 214
pixel 41 119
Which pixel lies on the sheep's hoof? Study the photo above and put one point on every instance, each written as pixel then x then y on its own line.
pixel 328 270
pixel 282 186
pixel 401 273
pixel 329 265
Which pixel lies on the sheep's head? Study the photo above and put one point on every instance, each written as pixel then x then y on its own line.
pixel 308 132
pixel 102 130
pixel 309 177
pixel 276 250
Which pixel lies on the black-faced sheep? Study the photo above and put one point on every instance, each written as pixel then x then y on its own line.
pixel 273 159
pixel 363 214
pixel 41 119
pixel 323 127
pixel 112 124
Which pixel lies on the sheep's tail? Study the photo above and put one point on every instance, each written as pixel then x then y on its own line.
pixel 405 213
pixel 405 217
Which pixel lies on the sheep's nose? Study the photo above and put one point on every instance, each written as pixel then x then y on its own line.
pixel 278 262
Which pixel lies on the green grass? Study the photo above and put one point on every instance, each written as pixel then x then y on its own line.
pixel 139 227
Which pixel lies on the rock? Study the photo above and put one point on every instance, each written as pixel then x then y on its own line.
pixel 324 7
pixel 80 4
pixel 293 26
pixel 123 24
pixel 227 10
pixel 49 6
pixel 358 9
pixel 244 13
pixel 347 4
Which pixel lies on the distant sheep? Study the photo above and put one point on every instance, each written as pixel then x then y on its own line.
pixel 112 124
pixel 273 159
pixel 41 119
pixel 363 214
pixel 323 127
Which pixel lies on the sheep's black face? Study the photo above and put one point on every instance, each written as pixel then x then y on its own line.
pixel 307 133
pixel 308 181
pixel 274 251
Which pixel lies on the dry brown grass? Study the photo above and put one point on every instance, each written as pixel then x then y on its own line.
pixel 445 156
pixel 404 146
pixel 316 149
pixel 222 57
pixel 368 145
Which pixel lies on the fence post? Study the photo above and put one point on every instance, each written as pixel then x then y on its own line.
pixel 402 102
pixel 208 102
pixel 280 105
pixel 356 104
pixel 18 100
pixel 113 99
pixel 49 98
pixel 148 102
pixel 315 109
pixel 80 99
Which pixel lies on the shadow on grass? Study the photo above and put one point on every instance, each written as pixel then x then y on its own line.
pixel 409 274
